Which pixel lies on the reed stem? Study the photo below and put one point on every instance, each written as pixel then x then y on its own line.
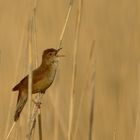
pixel 65 24
pixel 71 110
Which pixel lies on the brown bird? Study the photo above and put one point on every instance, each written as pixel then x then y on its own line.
pixel 43 77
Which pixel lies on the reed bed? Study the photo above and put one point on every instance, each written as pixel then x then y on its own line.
pixel 33 112
pixel 116 112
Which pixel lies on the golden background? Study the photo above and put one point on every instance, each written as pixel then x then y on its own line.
pixel 115 27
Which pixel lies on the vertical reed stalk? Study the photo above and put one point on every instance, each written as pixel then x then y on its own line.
pixel 115 134
pixel 137 124
pixel 58 117
pixel 0 56
pixel 71 110
pixel 30 75
pixel 56 123
pixel 30 63
pixel 90 87
pixel 36 64
pixel 40 125
pixel 65 24
pixel 33 116
pixel 59 45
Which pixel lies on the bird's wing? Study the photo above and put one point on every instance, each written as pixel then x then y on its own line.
pixel 22 83
pixel 37 75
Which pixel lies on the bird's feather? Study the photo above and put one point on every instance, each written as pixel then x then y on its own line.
pixel 38 74
pixel 22 99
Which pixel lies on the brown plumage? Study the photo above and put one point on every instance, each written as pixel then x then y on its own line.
pixel 43 77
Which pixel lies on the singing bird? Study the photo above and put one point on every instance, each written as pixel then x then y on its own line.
pixel 43 77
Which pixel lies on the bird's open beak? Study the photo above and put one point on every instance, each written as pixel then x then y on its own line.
pixel 59 50
pixel 59 55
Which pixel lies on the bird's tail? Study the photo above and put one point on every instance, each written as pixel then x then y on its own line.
pixel 21 101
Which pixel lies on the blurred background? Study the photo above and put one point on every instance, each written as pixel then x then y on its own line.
pixel 115 27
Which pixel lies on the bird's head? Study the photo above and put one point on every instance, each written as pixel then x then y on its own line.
pixel 51 56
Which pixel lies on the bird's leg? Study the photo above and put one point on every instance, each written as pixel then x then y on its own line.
pixel 38 104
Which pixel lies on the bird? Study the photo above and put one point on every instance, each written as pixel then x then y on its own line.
pixel 42 78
